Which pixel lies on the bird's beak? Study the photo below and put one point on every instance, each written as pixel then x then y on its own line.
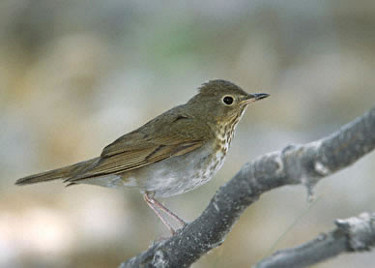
pixel 254 97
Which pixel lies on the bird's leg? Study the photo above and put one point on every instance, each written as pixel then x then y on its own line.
pixel 151 204
pixel 167 211
pixel 154 204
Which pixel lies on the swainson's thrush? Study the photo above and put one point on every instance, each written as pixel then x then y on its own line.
pixel 175 152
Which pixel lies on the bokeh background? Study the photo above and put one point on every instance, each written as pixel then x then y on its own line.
pixel 75 75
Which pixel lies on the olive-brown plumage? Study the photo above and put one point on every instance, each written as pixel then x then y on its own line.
pixel 175 152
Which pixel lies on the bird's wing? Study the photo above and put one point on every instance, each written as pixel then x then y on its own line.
pixel 164 137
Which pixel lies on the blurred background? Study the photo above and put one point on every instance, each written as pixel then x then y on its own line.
pixel 75 75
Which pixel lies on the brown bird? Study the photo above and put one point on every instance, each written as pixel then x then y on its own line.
pixel 175 152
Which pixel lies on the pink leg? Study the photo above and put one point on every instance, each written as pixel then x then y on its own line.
pixel 154 204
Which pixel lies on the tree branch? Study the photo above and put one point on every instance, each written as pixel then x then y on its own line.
pixel 295 164
pixel 351 235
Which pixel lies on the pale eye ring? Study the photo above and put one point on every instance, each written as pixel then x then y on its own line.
pixel 228 100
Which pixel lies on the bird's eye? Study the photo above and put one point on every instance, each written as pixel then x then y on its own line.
pixel 228 100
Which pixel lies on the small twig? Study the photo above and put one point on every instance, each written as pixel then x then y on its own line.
pixel 355 234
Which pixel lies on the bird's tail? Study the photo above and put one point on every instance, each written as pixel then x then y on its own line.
pixel 60 173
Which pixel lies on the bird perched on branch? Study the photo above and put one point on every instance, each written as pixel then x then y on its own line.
pixel 173 153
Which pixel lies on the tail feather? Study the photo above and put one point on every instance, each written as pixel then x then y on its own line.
pixel 60 173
